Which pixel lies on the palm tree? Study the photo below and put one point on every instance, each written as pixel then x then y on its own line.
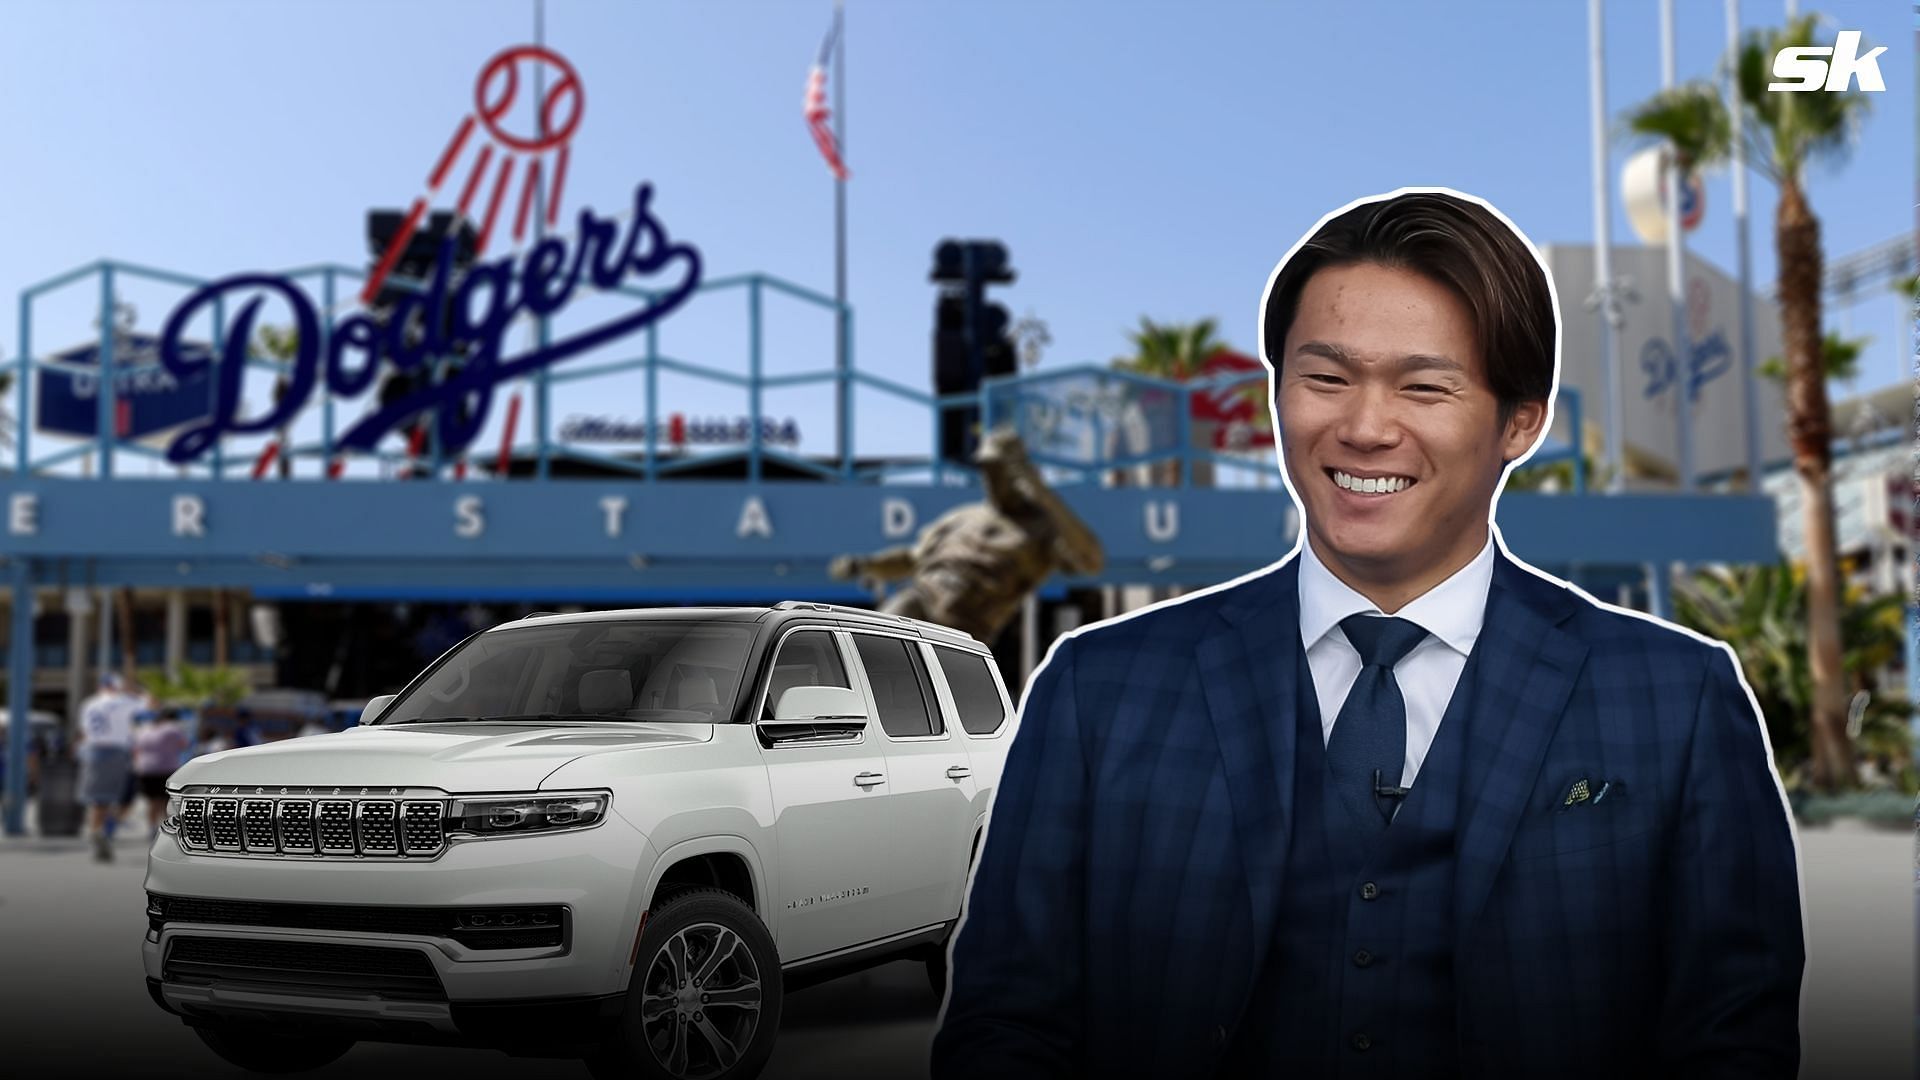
pixel 1838 354
pixel 1178 351
pixel 1171 350
pixel 1784 133
pixel 1761 612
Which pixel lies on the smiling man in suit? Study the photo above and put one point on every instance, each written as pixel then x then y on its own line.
pixel 1397 805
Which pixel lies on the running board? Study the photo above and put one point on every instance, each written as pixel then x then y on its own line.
pixel 815 970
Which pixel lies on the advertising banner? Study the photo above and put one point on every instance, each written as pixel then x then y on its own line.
pixel 148 397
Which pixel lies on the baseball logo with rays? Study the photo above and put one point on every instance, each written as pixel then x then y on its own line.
pixel 502 155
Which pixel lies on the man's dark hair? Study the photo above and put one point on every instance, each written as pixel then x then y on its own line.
pixel 1459 244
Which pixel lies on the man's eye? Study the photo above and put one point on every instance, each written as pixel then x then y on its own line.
pixel 1428 388
pixel 1324 380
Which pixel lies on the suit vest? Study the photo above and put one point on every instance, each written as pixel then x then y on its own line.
pixel 1359 979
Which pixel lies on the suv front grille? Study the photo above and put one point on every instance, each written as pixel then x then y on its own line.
pixel 259 821
pixel 421 826
pixel 377 833
pixel 223 820
pixel 394 974
pixel 256 825
pixel 193 823
pixel 296 826
pixel 334 819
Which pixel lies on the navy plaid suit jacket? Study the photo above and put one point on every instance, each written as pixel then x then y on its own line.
pixel 1126 892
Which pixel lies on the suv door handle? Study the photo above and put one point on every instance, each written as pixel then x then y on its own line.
pixel 959 772
pixel 868 779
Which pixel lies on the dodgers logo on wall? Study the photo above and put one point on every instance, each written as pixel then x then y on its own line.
pixel 502 176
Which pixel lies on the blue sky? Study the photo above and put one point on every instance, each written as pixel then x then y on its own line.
pixel 1137 158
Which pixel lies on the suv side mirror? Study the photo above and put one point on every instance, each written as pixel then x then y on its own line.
pixel 816 714
pixel 375 707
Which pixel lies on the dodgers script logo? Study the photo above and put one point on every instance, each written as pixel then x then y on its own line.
pixel 483 305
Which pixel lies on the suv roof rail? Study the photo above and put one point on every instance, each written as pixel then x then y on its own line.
pixel 841 609
pixel 537 615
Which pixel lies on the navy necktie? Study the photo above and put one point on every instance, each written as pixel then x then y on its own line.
pixel 1368 747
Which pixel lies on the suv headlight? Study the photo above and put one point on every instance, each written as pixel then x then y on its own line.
pixel 171 823
pixel 517 815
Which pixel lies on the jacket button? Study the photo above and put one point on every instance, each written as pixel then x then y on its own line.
pixel 1362 958
pixel 1369 891
pixel 1361 1042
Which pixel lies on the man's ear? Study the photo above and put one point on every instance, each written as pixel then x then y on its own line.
pixel 1523 429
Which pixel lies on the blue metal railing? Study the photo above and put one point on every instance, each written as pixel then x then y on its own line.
pixel 1173 402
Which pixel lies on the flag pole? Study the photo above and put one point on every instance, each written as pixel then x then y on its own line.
pixel 843 368
pixel 1677 274
pixel 1736 110
pixel 1605 297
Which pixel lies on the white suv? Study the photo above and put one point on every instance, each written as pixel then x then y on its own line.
pixel 619 835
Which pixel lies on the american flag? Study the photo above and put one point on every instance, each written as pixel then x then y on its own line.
pixel 816 109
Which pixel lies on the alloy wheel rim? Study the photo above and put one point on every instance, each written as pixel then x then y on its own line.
pixel 700 1001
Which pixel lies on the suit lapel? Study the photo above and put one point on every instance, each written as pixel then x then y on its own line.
pixel 1521 688
pixel 1247 663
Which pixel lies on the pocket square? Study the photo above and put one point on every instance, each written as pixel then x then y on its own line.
pixel 1592 792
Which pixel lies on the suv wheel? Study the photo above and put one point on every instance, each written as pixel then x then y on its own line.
pixel 704 1001
pixel 266 1051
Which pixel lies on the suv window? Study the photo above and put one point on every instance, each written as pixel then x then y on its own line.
pixel 807 658
pixel 975 694
pixel 892 668
pixel 653 670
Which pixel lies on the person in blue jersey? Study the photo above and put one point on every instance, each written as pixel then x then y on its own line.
pixel 1398 805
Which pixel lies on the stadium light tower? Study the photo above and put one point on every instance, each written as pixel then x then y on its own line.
pixel 971 338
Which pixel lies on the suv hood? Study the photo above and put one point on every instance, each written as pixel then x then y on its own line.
pixel 453 757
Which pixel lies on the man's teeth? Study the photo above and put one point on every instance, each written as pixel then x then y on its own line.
pixel 1371 485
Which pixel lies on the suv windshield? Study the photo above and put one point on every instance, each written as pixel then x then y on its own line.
pixel 672 671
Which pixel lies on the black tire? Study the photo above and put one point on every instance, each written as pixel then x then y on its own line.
pixel 731 1043
pixel 264 1050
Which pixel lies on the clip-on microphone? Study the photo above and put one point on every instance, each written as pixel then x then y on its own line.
pixel 1388 790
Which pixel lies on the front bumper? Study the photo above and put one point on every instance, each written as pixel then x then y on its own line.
pixel 594 873
pixel 558 1026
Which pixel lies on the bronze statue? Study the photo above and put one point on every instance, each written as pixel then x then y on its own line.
pixel 973 566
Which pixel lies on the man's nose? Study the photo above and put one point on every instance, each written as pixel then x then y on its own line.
pixel 1372 419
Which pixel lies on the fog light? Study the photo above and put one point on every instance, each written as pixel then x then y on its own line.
pixel 511 928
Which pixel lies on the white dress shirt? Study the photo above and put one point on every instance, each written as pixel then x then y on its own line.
pixel 1451 613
